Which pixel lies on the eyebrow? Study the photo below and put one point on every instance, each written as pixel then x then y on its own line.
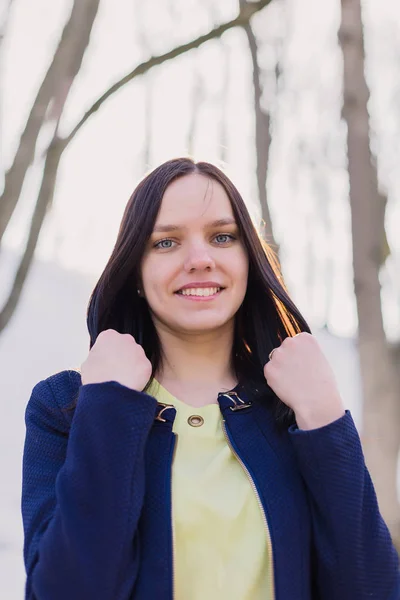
pixel 217 223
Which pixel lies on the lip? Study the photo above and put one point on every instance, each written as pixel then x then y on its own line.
pixel 200 284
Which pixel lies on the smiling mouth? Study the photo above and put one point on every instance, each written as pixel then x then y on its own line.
pixel 200 293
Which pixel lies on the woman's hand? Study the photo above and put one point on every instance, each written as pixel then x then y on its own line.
pixel 117 357
pixel 302 378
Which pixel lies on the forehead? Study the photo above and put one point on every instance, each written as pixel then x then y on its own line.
pixel 195 198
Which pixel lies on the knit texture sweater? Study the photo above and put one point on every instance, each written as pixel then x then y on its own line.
pixel 96 498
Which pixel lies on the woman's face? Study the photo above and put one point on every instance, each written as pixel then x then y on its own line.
pixel 187 247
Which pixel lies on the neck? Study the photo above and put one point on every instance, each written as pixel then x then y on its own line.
pixel 202 359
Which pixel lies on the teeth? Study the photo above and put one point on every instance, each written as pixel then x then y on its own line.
pixel 199 291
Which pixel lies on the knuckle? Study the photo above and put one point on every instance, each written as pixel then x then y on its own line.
pixel 306 336
pixel 106 333
pixel 129 336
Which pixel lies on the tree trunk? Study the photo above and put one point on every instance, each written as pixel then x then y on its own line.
pixel 198 98
pixel 54 89
pixel 49 104
pixel 263 140
pixel 43 203
pixel 381 390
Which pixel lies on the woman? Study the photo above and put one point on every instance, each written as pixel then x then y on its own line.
pixel 203 451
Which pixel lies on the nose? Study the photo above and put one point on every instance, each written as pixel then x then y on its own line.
pixel 199 258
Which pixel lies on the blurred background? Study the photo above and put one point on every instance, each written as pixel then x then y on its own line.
pixel 297 100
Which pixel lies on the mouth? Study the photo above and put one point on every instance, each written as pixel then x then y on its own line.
pixel 199 294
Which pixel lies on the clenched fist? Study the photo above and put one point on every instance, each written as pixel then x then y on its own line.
pixel 116 357
pixel 302 378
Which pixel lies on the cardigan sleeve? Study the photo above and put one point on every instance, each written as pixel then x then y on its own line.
pixel 355 556
pixel 82 492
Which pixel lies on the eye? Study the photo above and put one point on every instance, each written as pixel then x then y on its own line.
pixel 225 235
pixel 159 244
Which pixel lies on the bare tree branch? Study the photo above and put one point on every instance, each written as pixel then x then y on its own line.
pixel 58 146
pixel 244 16
pixel 55 85
pixel 69 61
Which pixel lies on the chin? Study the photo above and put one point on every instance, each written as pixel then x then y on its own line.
pixel 202 325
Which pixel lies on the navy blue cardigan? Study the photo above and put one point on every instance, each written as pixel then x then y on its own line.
pixel 96 498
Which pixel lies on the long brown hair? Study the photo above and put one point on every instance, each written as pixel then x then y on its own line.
pixel 266 317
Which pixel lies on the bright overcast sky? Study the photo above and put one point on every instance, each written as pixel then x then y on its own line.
pixel 103 164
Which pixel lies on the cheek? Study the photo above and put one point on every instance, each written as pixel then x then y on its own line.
pixel 148 275
pixel 241 266
pixel 156 276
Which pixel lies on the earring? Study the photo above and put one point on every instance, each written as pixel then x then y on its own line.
pixel 138 291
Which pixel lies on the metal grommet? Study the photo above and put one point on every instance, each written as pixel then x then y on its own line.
pixel 195 420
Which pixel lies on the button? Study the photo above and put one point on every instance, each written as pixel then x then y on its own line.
pixel 195 420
